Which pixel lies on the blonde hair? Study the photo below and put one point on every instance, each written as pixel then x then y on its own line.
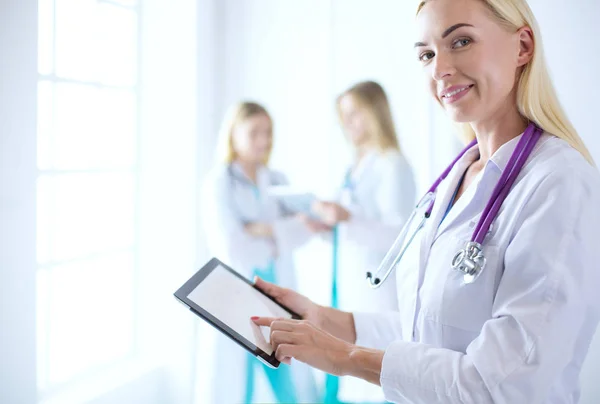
pixel 536 98
pixel 237 114
pixel 371 98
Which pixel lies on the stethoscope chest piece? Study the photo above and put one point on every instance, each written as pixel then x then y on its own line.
pixel 469 261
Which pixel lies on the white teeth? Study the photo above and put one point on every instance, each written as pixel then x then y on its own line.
pixel 453 93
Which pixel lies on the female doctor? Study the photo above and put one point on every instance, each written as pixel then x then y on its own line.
pixel 376 198
pixel 254 234
pixel 516 327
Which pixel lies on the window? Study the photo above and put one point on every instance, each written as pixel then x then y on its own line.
pixel 88 97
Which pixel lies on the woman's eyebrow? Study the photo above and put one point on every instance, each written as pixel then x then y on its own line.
pixel 447 32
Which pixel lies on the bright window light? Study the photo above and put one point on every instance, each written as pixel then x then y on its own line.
pixel 86 189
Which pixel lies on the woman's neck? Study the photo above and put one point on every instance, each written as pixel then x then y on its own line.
pixel 249 168
pixel 502 127
pixel 361 152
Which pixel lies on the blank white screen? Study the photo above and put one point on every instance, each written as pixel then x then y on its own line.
pixel 233 302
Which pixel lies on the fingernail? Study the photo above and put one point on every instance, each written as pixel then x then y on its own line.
pixel 254 318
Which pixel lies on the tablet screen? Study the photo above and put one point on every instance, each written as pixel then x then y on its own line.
pixel 233 301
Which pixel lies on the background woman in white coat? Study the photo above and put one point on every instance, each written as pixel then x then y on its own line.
pixel 375 199
pixel 520 332
pixel 255 235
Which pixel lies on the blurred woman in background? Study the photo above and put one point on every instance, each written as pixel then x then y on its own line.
pixel 254 234
pixel 376 198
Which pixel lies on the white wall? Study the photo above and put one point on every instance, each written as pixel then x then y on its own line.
pixel 168 162
pixel 18 173
pixel 297 56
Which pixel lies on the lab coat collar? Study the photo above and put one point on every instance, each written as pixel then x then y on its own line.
pixel 487 178
pixel 262 176
pixel 502 155
pixel 363 165
pixel 444 194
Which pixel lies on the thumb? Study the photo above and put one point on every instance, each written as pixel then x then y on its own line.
pixel 265 286
pixel 276 292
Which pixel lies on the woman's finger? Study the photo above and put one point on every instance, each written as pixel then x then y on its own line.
pixel 285 352
pixel 284 337
pixel 268 287
pixel 263 321
pixel 284 325
pixel 275 323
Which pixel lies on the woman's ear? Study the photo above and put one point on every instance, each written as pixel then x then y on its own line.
pixel 526 45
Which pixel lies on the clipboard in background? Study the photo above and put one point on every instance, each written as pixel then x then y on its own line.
pixel 294 200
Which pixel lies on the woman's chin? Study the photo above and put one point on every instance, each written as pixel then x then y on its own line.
pixel 357 141
pixel 259 158
pixel 460 115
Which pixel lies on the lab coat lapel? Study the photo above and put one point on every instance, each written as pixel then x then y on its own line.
pixel 459 207
pixel 364 168
pixel 442 199
pixel 444 195
pixel 263 181
pixel 349 190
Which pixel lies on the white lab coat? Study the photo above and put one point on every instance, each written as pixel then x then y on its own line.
pixel 380 198
pixel 228 202
pixel 520 332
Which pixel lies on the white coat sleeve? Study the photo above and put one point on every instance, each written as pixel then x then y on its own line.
pixel 395 200
pixel 225 233
pixel 377 330
pixel 539 314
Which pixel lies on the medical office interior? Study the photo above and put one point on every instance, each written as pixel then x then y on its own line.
pixel 109 116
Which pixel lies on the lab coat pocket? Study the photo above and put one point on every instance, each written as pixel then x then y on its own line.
pixel 467 306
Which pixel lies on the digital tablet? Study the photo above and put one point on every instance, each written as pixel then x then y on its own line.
pixel 226 300
pixel 293 199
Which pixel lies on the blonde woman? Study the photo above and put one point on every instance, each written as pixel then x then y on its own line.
pixel 375 199
pixel 255 235
pixel 508 317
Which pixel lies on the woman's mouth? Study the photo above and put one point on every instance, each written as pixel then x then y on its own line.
pixel 455 93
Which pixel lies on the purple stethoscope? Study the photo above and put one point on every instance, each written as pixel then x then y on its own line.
pixel 470 260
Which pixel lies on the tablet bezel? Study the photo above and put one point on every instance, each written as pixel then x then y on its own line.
pixel 182 295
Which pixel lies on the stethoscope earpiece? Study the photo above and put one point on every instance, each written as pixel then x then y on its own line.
pixel 373 282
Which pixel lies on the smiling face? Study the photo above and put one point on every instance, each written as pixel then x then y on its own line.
pixel 472 62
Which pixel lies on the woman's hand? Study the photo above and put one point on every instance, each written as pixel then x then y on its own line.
pixel 296 302
pixel 331 213
pixel 307 341
pixel 257 229
pixel 304 341
pixel 314 226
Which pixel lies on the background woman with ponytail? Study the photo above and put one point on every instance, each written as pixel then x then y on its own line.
pixel 376 197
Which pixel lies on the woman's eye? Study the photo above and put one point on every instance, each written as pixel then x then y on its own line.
pixel 425 56
pixel 459 43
